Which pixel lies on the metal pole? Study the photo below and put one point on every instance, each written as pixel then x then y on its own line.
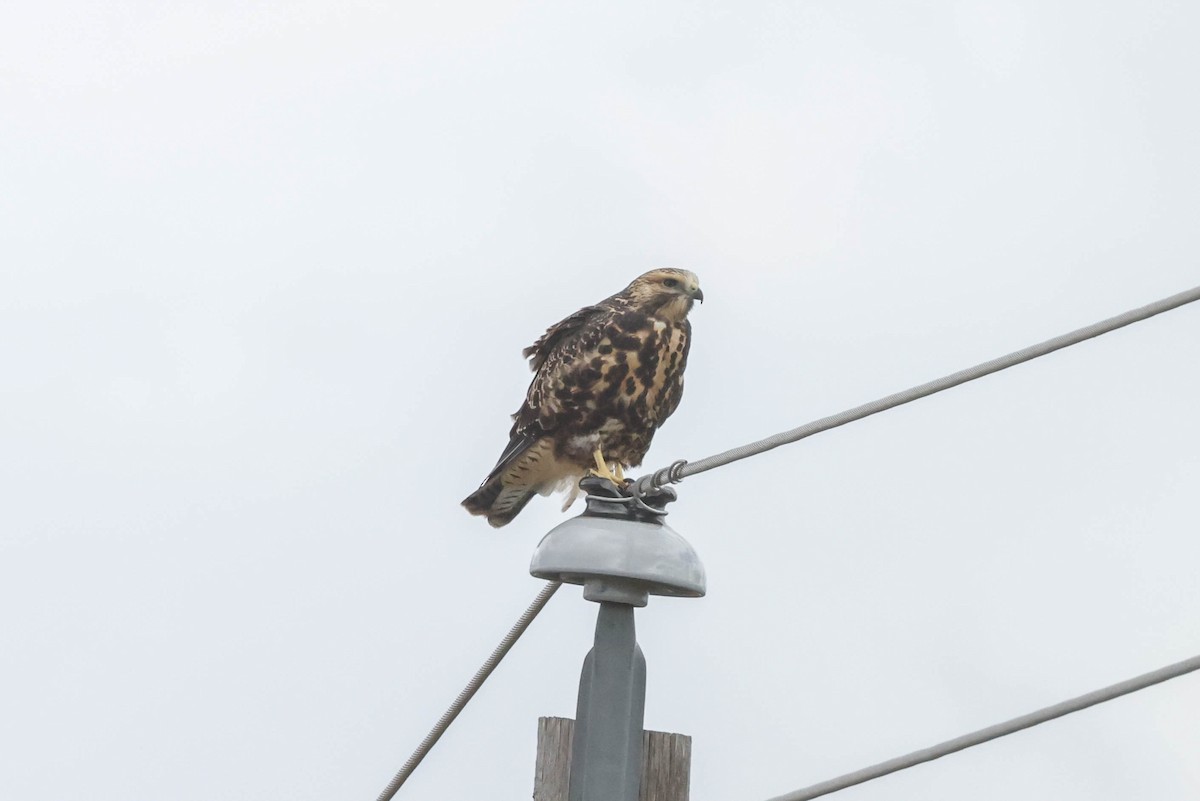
pixel 607 761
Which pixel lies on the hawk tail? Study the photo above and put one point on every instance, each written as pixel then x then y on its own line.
pixel 528 467
pixel 500 504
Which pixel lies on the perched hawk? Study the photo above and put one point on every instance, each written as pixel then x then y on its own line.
pixel 605 379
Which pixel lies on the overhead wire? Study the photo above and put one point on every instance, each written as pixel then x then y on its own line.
pixel 993 732
pixel 469 691
pixel 681 469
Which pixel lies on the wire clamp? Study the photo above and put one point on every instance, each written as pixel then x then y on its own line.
pixel 670 473
pixel 627 501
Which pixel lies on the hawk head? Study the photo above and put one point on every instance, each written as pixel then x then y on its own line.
pixel 666 292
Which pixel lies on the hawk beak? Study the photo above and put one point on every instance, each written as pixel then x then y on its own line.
pixel 698 294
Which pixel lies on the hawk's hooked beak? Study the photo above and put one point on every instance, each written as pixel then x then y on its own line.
pixel 698 294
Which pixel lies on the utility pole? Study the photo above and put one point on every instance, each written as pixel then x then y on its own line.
pixel 621 551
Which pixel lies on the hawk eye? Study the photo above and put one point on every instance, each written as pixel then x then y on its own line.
pixel 670 282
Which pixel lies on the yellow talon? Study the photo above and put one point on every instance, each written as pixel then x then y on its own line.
pixel 603 470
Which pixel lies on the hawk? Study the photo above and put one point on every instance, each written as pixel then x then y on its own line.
pixel 605 378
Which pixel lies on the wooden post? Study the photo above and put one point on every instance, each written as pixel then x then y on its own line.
pixel 666 763
pixel 553 771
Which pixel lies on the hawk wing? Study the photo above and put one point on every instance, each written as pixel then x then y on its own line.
pixel 529 464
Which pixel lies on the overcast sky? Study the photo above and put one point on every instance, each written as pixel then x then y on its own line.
pixel 267 270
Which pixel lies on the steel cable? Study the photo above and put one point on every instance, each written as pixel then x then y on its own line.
pixel 472 687
pixel 681 469
pixel 994 732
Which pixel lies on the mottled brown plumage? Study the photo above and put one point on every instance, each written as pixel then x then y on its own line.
pixel 606 378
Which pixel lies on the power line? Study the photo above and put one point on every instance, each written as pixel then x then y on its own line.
pixel 681 469
pixel 472 687
pixel 994 732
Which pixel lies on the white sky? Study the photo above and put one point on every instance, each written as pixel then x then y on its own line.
pixel 266 273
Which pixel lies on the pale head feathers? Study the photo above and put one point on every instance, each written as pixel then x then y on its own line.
pixel 666 292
